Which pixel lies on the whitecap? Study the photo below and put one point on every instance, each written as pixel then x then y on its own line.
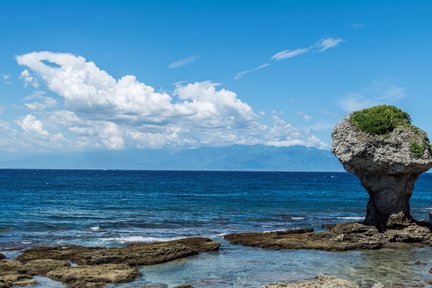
pixel 297 218
pixel 351 218
pixel 132 239
pixel 95 228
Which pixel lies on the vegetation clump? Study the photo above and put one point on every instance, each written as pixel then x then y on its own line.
pixel 418 149
pixel 380 120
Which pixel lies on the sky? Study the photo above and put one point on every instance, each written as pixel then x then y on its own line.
pixel 118 75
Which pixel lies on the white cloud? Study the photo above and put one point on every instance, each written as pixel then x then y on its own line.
pixel 327 43
pixel 183 62
pixel 32 125
pixel 376 94
pixel 107 113
pixel 243 73
pixel 305 116
pixel 43 104
pixel 289 54
pixel 320 46
pixel 28 79
pixel 6 79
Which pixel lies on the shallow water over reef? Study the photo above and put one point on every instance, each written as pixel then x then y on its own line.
pixel 111 208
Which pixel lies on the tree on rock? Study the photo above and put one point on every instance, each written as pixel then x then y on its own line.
pixel 387 153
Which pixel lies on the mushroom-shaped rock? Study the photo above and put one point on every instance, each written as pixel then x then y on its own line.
pixel 387 153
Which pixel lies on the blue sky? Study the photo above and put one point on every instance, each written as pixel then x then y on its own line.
pixel 108 75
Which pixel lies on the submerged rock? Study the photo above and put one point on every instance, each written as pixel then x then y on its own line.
pixel 326 281
pixel 342 237
pixel 387 153
pixel 97 266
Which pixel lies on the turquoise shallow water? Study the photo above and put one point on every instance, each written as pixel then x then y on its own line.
pixel 111 208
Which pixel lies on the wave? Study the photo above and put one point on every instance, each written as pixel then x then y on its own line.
pixel 351 218
pixel 134 239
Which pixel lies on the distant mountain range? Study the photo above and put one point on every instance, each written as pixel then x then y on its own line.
pixel 238 157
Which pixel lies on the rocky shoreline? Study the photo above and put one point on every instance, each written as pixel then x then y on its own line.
pixel 94 267
pixel 400 233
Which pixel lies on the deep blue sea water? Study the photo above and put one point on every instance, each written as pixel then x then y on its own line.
pixel 111 208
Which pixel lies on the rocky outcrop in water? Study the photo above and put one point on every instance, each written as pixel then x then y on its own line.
pixel 381 147
pixel 94 267
pixel 326 281
pixel 341 237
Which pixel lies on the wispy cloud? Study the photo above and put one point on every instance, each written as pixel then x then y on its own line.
pixel 243 73
pixel 327 43
pixel 320 46
pixel 375 94
pixel 305 116
pixel 183 62
pixel 289 54
pixel 6 79
pixel 357 26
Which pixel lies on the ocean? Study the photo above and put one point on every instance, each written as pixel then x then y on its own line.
pixel 113 208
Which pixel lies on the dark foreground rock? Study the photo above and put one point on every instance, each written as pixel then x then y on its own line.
pixel 94 266
pixel 342 237
pixel 319 281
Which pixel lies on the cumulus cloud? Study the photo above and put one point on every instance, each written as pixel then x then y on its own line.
pixel 29 80
pixel 183 62
pixel 43 103
pixel 30 124
pixel 100 111
pixel 327 43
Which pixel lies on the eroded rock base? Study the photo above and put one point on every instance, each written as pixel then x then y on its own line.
pixel 93 267
pixel 400 233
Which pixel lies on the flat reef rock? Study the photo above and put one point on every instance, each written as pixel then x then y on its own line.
pixel 326 281
pixel 342 237
pixel 94 267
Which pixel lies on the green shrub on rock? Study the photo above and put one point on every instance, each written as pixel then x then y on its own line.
pixel 380 120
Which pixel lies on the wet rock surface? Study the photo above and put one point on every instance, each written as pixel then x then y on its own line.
pixel 387 164
pixel 342 237
pixel 94 266
pixel 326 281
pixel 94 275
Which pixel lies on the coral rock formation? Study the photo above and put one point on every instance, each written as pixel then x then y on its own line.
pixel 387 153
pixel 94 267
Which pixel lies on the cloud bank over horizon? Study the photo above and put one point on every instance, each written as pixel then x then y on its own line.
pixel 78 106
